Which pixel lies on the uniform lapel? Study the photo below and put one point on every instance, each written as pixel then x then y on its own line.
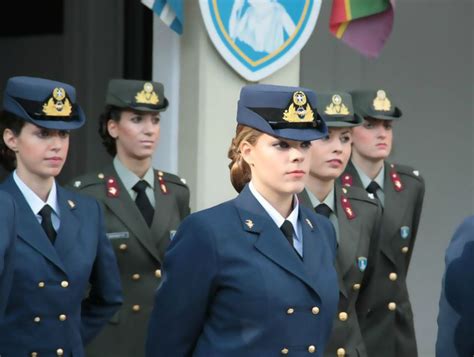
pixel 349 236
pixel 392 216
pixel 351 170
pixel 164 208
pixel 270 241
pixel 126 210
pixel 30 230
pixel 69 228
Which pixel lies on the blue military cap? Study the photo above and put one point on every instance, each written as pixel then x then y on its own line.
pixel 284 112
pixel 43 102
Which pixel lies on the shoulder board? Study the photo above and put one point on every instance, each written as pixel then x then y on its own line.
pixel 359 194
pixel 405 170
pixel 91 179
pixel 171 178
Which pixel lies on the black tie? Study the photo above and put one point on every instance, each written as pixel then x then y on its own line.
pixel 47 223
pixel 323 209
pixel 142 201
pixel 372 188
pixel 287 229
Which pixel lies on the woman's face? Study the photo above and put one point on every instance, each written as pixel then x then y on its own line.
pixel 279 166
pixel 40 153
pixel 331 154
pixel 136 134
pixel 373 139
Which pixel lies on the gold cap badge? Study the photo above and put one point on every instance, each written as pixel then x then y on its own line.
pixel 381 101
pixel 337 107
pixel 147 95
pixel 58 105
pixel 299 110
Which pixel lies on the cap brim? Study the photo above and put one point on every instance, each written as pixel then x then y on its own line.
pixel 396 115
pixel 16 109
pixel 338 123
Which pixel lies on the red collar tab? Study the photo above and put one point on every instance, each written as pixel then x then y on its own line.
pixel 112 187
pixel 161 180
pixel 346 205
pixel 346 180
pixel 396 181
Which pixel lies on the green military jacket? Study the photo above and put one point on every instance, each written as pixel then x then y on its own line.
pixel 385 313
pixel 139 249
pixel 358 218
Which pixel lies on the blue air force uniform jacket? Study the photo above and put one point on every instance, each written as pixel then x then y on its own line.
pixel 62 294
pixel 8 216
pixel 233 286
pixel 456 308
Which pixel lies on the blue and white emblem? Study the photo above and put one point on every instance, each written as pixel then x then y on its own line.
pixel 258 37
pixel 404 232
pixel 362 263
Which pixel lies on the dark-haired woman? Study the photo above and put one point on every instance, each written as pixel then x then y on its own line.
pixel 143 207
pixel 253 276
pixel 65 279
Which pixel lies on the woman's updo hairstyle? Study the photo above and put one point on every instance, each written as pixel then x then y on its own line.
pixel 240 173
pixel 15 124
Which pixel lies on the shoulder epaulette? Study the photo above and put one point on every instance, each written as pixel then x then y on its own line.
pixel 87 180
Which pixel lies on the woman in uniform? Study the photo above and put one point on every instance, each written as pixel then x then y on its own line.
pixel 253 276
pixel 8 216
pixel 65 281
pixel 142 206
pixel 387 319
pixel 354 213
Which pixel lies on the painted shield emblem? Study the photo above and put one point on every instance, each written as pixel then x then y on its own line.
pixel 362 263
pixel 404 232
pixel 258 37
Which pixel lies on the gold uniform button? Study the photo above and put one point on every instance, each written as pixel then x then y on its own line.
pixel 315 310
pixel 392 306
pixel 34 354
pixel 136 308
pixel 343 316
pixel 393 276
pixel 59 352
pixel 158 273
pixel 405 250
pixel 290 311
pixel 311 349
pixel 62 317
pixel 101 176
pixel 341 352
pixel 64 284
pixel 284 351
pixel 41 284
pixel 136 276
pixel 123 246
pixel 37 319
pixel 356 287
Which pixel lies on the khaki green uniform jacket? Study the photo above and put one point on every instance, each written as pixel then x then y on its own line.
pixel 140 252
pixel 386 317
pixel 359 218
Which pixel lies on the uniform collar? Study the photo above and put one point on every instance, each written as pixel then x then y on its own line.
pixel 128 178
pixel 36 203
pixel 366 180
pixel 274 214
pixel 329 200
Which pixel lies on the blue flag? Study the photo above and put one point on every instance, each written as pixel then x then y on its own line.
pixel 171 12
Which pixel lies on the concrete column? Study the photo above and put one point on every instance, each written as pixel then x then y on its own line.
pixel 209 90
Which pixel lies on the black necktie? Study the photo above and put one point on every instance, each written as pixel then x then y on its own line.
pixel 142 201
pixel 287 229
pixel 47 223
pixel 323 209
pixel 372 188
